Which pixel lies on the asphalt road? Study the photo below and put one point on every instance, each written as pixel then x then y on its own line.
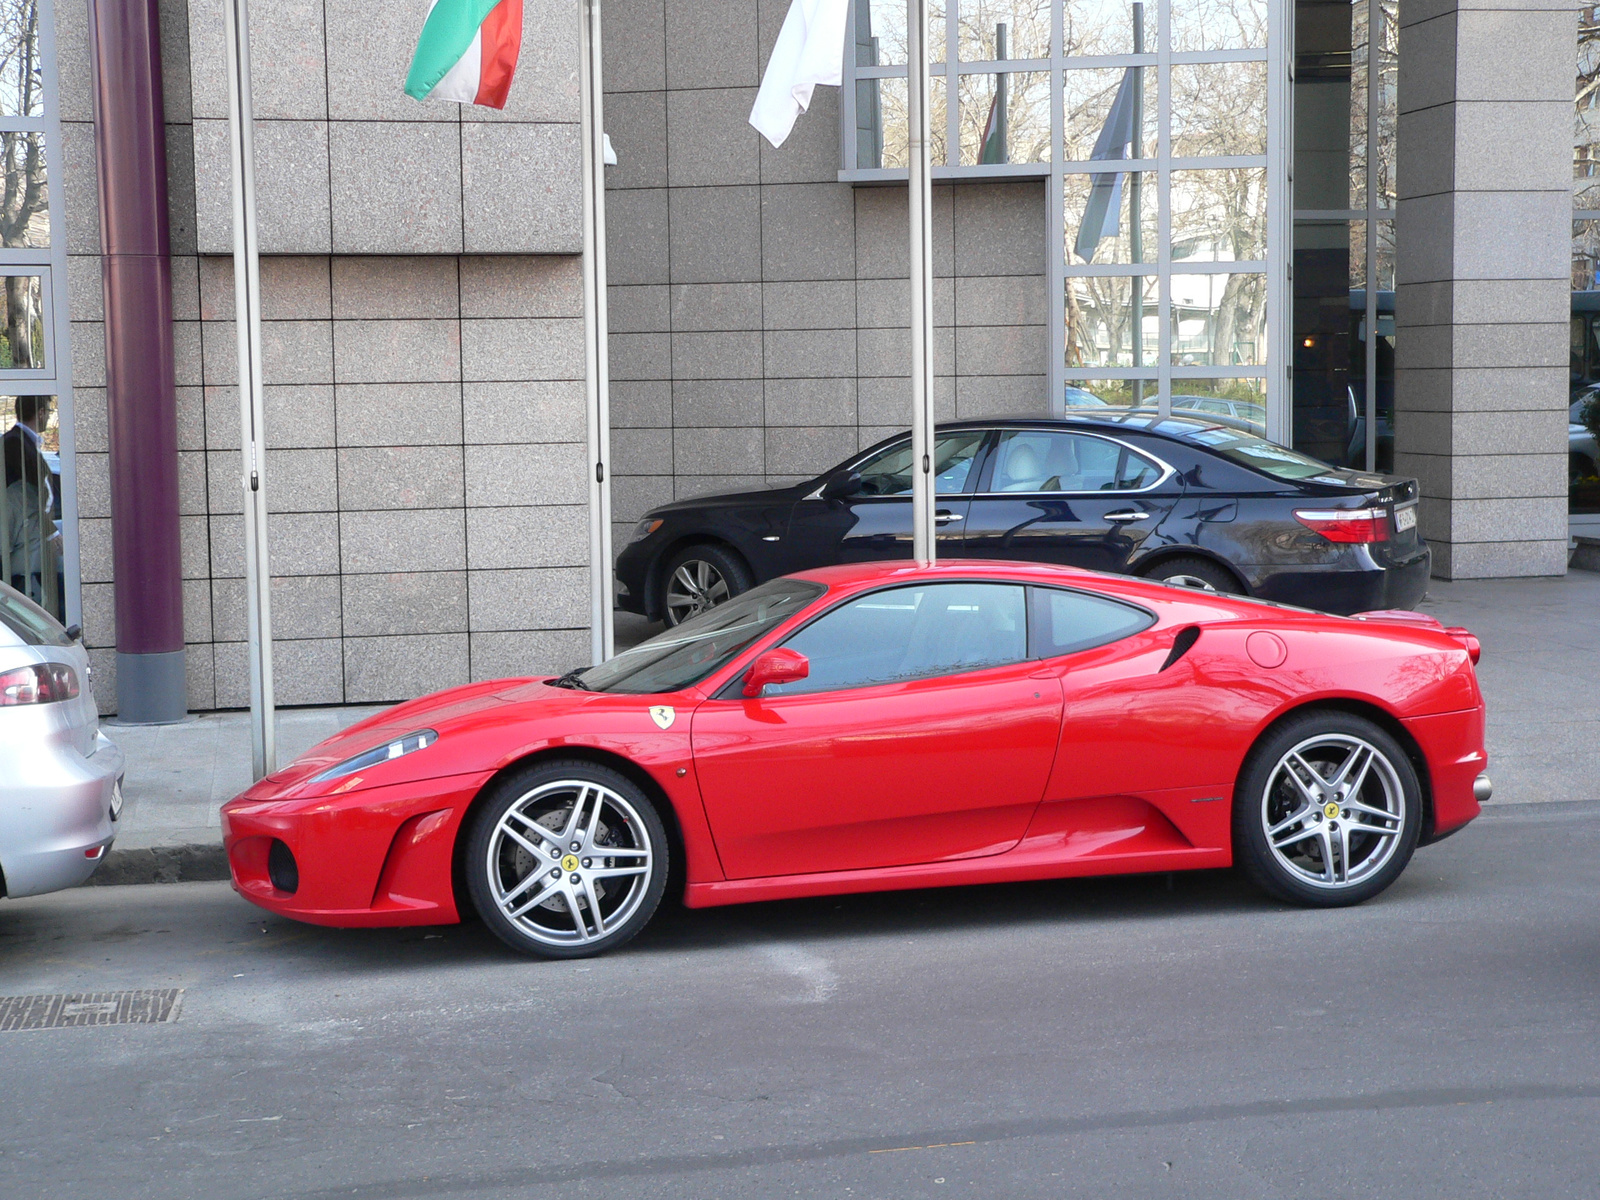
pixel 1094 1039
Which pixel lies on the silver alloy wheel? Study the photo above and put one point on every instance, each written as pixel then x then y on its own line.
pixel 1191 581
pixel 569 862
pixel 1334 810
pixel 695 587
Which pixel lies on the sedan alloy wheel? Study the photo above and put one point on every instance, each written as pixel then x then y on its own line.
pixel 695 586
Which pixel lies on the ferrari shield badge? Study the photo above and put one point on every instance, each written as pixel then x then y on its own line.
pixel 663 715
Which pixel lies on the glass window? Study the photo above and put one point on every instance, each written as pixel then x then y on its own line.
pixel 1098 217
pixel 1063 622
pixel 1219 320
pixel 888 472
pixel 1005 118
pixel 1112 321
pixel 21 81
pixel 911 633
pixel 884 139
pixel 1092 397
pixel 1038 460
pixel 1220 215
pixel 22 346
pixel 996 30
pixel 1218 24
pixel 1109 113
pixel 1219 108
pixel 685 655
pixel 30 500
pixel 25 206
pixel 1096 27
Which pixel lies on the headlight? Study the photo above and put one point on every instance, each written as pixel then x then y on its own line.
pixel 645 528
pixel 398 748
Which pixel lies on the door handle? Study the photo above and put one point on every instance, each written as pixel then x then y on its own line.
pixel 945 518
pixel 1128 516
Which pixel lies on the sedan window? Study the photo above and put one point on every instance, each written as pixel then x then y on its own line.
pixel 1039 460
pixel 688 653
pixel 1063 622
pixel 888 472
pixel 911 633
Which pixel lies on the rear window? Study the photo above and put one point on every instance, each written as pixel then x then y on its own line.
pixel 1064 622
pixel 28 621
pixel 1259 454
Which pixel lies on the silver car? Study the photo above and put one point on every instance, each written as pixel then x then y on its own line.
pixel 60 777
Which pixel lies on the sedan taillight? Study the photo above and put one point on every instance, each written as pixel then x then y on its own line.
pixel 1361 525
pixel 45 683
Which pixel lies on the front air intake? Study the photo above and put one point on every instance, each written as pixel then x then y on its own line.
pixel 282 869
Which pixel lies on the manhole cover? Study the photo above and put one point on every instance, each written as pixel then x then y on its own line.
pixel 90 1008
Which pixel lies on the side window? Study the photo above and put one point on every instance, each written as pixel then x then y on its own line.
pixel 912 633
pixel 1065 622
pixel 1035 460
pixel 888 473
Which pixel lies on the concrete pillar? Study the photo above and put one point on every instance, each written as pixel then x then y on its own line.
pixel 1483 279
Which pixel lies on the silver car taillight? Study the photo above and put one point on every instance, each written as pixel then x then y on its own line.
pixel 44 683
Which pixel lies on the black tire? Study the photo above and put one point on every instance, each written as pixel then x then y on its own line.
pixel 1317 832
pixel 1190 570
pixel 514 836
pixel 698 578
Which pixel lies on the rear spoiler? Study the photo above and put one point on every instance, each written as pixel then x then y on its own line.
pixel 1402 616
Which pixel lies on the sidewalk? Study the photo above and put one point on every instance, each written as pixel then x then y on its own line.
pixel 1541 661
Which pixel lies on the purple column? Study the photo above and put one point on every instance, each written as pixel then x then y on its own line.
pixel 141 398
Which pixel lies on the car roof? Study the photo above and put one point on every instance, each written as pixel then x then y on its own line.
pixel 1196 605
pixel 1174 427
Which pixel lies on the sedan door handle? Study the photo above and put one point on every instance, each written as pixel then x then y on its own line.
pixel 945 518
pixel 1128 516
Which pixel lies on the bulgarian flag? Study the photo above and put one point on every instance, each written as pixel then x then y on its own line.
pixel 467 52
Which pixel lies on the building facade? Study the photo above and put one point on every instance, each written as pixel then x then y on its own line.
pixel 1366 220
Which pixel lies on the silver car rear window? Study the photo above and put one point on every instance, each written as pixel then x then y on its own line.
pixel 28 621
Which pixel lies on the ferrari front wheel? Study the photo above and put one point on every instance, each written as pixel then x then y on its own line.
pixel 1327 810
pixel 566 859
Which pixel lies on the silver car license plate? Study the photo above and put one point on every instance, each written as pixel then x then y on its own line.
pixel 1404 519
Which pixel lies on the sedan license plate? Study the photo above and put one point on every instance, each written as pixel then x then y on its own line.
pixel 116 800
pixel 1404 519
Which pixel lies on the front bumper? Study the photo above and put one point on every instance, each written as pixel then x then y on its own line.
pixel 1358 585
pixel 378 856
pixel 633 574
pixel 55 818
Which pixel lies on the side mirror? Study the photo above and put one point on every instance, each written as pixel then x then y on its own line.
pixel 775 666
pixel 847 483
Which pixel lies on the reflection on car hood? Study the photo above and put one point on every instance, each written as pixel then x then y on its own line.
pixel 734 499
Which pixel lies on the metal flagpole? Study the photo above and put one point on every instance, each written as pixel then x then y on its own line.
pixel 252 413
pixel 920 203
pixel 597 371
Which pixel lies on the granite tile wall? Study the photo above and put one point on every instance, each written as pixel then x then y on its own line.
pixel 423 358
pixel 758 306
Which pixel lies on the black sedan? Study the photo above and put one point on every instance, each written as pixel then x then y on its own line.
pixel 1177 499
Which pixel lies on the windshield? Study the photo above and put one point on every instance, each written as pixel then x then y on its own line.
pixel 28 621
pixel 1278 461
pixel 686 655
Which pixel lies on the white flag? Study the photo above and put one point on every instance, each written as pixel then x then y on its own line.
pixel 809 51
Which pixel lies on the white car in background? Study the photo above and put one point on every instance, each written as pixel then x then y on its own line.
pixel 60 777
pixel 1252 414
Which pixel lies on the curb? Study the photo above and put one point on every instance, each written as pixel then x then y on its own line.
pixel 191 863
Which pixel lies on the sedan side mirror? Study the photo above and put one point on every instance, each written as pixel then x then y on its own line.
pixel 775 666
pixel 847 483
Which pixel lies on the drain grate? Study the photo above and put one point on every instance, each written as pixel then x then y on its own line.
pixel 90 1008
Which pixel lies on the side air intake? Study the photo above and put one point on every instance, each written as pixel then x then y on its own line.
pixel 1181 645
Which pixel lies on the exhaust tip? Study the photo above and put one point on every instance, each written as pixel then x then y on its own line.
pixel 1482 789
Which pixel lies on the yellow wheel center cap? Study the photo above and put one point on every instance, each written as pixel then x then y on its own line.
pixel 1330 810
pixel 569 863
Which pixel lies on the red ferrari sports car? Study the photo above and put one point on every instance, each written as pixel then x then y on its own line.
pixel 884 726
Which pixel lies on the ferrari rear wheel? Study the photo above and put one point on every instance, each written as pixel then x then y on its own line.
pixel 1327 811
pixel 566 859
